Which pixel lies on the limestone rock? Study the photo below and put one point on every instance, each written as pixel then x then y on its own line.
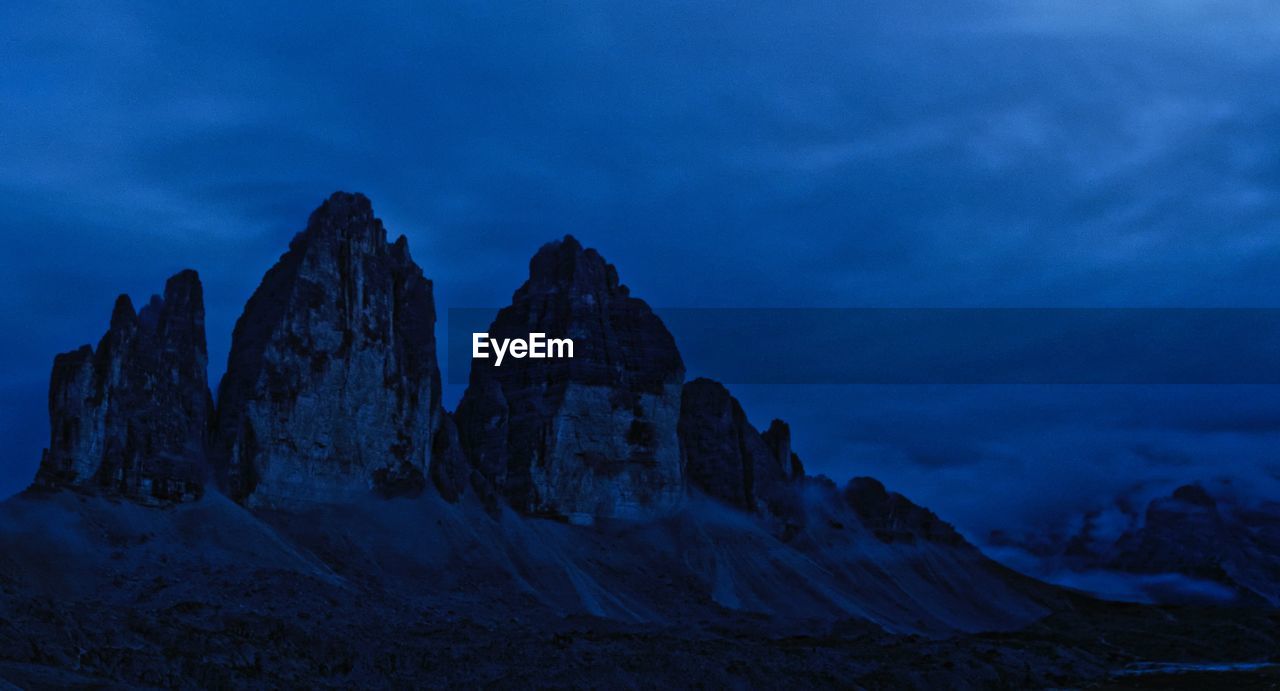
pixel 725 456
pixel 332 388
pixel 1187 534
pixel 894 518
pixel 132 418
pixel 592 435
pixel 450 472
pixel 778 439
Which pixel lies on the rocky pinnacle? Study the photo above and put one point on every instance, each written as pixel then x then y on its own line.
pixel 131 418
pixel 332 388
pixel 587 436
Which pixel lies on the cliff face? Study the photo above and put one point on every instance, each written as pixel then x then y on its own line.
pixel 132 418
pixel 725 456
pixel 592 435
pixel 332 387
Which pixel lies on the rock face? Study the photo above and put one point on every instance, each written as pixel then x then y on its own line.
pixel 1187 547
pixel 332 387
pixel 1193 534
pixel 725 457
pixel 592 435
pixel 778 439
pixel 132 418
pixel 894 518
pixel 1182 533
pixel 450 472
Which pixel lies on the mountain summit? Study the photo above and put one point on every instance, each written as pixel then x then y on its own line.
pixel 587 436
pixel 332 387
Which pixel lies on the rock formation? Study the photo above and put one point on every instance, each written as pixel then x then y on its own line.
pixel 894 518
pixel 725 457
pixel 1192 534
pixel 1186 547
pixel 332 387
pixel 592 435
pixel 1182 533
pixel 778 439
pixel 332 391
pixel 132 418
pixel 450 472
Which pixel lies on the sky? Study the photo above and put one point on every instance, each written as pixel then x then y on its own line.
pixel 1002 153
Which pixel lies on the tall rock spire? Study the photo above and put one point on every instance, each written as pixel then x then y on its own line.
pixel 132 418
pixel 592 435
pixel 332 387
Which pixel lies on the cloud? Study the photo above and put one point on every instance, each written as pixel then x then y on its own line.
pixel 1117 585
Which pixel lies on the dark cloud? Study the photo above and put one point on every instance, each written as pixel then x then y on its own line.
pixel 722 154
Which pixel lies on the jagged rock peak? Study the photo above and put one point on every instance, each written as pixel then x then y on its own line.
pixel 592 435
pixel 123 316
pixel 725 457
pixel 131 418
pixel 332 387
pixel 346 214
pixel 894 518
pixel 566 265
pixel 778 438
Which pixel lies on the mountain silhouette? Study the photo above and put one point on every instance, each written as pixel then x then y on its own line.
pixel 329 523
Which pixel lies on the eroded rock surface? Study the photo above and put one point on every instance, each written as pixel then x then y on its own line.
pixel 725 457
pixel 778 439
pixel 132 417
pixel 332 388
pixel 592 435
pixel 894 518
pixel 1192 534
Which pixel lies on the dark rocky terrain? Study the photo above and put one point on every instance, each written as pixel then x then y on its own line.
pixel 1185 547
pixel 586 522
pixel 95 591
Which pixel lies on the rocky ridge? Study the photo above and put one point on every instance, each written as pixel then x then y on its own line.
pixel 1192 534
pixel 725 457
pixel 1188 546
pixel 332 395
pixel 894 518
pixel 332 392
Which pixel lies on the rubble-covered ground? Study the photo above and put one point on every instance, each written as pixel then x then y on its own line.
pixel 96 594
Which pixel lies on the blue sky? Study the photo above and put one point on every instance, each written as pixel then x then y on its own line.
pixel 788 154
